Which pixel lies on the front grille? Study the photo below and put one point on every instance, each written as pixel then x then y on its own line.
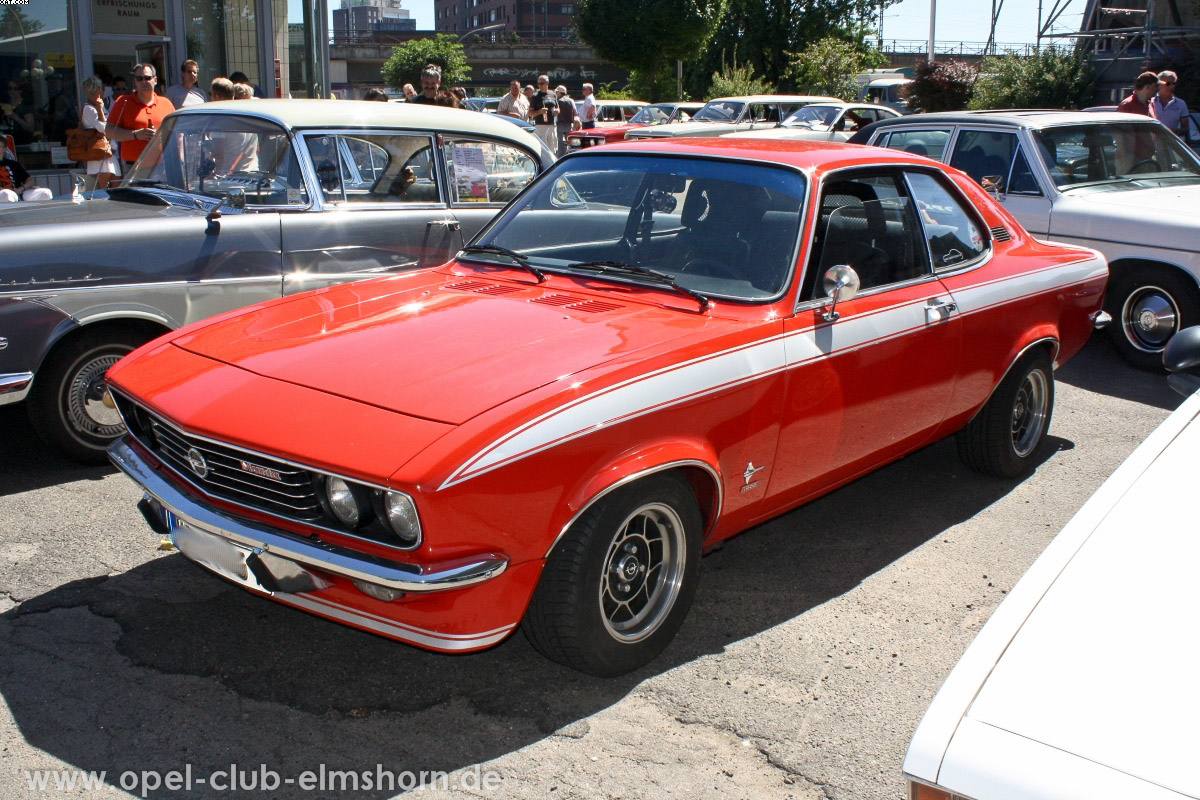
pixel 240 477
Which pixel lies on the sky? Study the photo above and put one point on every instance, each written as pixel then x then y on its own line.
pixel 957 20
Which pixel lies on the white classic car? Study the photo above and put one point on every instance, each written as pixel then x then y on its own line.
pixel 1083 682
pixel 1120 183
pixel 829 122
pixel 728 114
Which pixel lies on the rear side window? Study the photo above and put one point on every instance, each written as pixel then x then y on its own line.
pixel 929 143
pixel 955 237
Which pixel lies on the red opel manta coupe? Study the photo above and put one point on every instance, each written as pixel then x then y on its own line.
pixel 654 347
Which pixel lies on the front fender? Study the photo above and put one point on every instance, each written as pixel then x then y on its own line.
pixel 31 328
pixel 697 459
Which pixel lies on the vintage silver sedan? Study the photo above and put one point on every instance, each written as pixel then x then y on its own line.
pixel 231 204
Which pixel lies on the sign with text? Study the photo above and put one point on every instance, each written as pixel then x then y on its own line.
pixel 133 17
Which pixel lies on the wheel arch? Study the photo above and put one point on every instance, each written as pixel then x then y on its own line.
pixel 1120 267
pixel 1047 343
pixel 152 326
pixel 695 463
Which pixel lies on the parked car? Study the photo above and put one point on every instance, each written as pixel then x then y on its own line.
pixel 1082 683
pixel 887 91
pixel 613 112
pixel 729 114
pixel 646 353
pixel 488 105
pixel 233 203
pixel 830 122
pixel 657 114
pixel 1120 183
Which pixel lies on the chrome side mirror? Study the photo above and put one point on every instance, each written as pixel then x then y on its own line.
pixel 840 283
pixel 993 185
pixel 234 198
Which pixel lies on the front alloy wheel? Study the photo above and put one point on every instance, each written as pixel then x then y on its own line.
pixel 618 585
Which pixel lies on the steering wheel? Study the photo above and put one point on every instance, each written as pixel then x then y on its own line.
pixel 711 267
pixel 1151 161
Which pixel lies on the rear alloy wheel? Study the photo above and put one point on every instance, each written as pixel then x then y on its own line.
pixel 618 585
pixel 66 403
pixel 1148 307
pixel 1003 438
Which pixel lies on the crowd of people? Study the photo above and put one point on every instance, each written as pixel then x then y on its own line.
pixel 552 112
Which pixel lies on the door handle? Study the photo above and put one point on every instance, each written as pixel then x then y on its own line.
pixel 937 310
pixel 449 224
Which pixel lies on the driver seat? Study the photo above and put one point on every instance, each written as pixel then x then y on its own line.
pixel 718 219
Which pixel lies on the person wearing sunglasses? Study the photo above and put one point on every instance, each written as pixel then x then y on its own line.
pixel 136 117
pixel 1171 111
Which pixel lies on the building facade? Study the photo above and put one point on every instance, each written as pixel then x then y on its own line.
pixel 506 20
pixel 48 47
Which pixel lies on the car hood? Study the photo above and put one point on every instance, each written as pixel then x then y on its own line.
pixel 1104 666
pixel 688 129
pixel 1132 215
pixel 121 204
pixel 444 350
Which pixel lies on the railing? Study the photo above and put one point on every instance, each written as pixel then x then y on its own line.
pixel 533 36
pixel 945 47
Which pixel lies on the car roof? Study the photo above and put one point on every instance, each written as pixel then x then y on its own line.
pixel 820 155
pixel 1017 118
pixel 779 98
pixel 301 114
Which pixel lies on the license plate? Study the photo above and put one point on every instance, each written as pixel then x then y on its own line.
pixel 213 552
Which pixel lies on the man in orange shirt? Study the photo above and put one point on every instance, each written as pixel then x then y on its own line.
pixel 136 117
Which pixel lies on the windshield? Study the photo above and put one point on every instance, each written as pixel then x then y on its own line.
pixel 652 115
pixel 209 154
pixel 812 117
pixel 1115 156
pixel 720 111
pixel 718 228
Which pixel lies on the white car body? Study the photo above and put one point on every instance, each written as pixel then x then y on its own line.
pixel 748 113
pixel 1083 682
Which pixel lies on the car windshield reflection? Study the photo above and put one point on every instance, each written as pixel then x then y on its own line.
pixel 721 229
pixel 212 154
pixel 1116 157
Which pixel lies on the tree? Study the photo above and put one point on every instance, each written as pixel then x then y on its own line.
pixel 941 86
pixel 829 66
pixel 647 36
pixel 736 81
pixel 409 59
pixel 14 24
pixel 779 28
pixel 1054 77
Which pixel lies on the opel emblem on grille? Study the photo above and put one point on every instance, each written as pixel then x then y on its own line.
pixel 197 463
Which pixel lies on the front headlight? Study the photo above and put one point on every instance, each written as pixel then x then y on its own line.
pixel 343 502
pixel 400 514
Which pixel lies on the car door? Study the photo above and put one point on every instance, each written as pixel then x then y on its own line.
pixel 380 205
pixel 1000 157
pixel 483 176
pixel 870 378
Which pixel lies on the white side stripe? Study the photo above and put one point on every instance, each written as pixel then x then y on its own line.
pixel 683 382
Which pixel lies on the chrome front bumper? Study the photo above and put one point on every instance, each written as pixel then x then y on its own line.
pixel 14 387
pixel 256 540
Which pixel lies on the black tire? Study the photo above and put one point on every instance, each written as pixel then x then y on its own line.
pixel 1148 307
pixel 65 403
pixel 1004 437
pixel 619 583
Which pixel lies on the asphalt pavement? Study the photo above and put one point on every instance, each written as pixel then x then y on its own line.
pixel 815 643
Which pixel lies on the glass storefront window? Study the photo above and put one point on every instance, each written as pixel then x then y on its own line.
pixel 37 64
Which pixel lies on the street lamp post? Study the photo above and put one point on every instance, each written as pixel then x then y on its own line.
pixel 483 29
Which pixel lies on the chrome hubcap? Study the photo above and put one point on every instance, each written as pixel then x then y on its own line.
pixel 85 399
pixel 643 571
pixel 1029 413
pixel 1150 318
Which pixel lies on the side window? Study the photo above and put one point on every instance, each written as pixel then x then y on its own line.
pixel 868 222
pixel 983 154
pixel 930 143
pixel 365 168
pixel 1022 180
pixel 487 172
pixel 954 236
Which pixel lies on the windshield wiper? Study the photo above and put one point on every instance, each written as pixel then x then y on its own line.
pixel 620 267
pixel 497 250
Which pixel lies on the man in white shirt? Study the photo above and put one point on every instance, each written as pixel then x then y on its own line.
pixel 186 93
pixel 587 113
pixel 1169 109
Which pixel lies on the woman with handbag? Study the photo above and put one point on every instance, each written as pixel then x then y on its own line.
pixel 93 118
